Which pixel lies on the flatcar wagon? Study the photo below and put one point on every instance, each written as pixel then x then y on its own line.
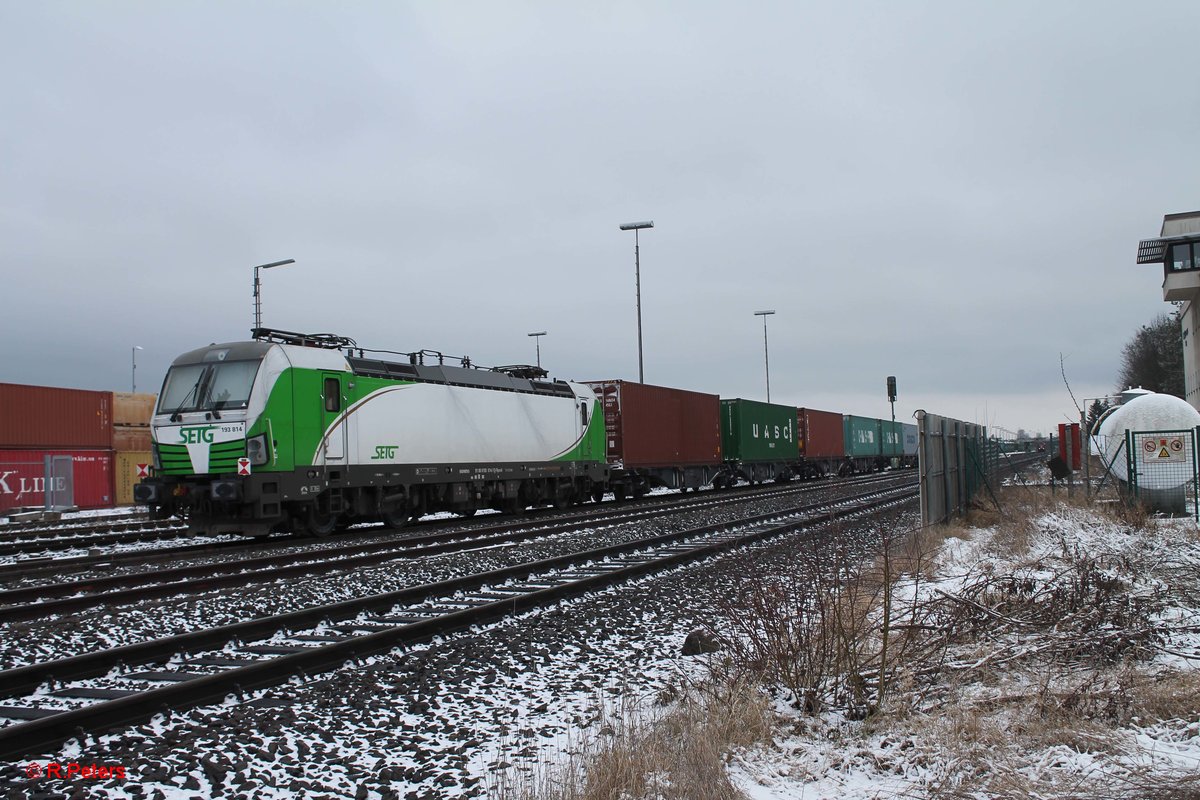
pixel 758 441
pixel 659 437
pixel 288 432
pixel 821 442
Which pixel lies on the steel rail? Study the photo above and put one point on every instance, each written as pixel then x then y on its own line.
pixel 37 735
pixel 134 587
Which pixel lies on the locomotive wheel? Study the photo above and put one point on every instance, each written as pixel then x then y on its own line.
pixel 321 523
pixel 619 493
pixel 396 517
pixel 597 494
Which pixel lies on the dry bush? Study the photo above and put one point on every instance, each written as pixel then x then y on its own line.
pixel 1131 513
pixel 809 630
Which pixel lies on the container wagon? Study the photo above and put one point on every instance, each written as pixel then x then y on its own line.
pixel 891 438
pixel 659 437
pixel 909 432
pixel 758 441
pixel 864 443
pixel 821 442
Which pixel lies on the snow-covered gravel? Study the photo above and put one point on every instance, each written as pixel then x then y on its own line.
pixel 433 722
pixel 41 640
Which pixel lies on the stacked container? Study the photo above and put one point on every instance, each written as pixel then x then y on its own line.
pixel 40 421
pixel 132 414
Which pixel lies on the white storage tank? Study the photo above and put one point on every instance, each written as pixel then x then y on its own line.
pixel 1161 485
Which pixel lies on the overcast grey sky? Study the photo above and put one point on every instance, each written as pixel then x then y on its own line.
pixel 948 192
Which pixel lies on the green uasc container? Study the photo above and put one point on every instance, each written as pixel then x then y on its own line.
pixel 752 431
pixel 863 439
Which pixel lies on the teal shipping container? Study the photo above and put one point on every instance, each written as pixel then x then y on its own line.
pixel 752 431
pixel 863 436
pixel 892 438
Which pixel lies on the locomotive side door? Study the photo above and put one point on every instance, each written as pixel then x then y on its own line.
pixel 332 400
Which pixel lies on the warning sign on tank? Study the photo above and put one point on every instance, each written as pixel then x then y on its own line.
pixel 1164 448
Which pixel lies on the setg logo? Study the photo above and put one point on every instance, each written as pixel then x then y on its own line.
pixel 384 451
pixel 197 435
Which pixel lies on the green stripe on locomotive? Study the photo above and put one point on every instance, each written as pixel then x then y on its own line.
pixel 296 424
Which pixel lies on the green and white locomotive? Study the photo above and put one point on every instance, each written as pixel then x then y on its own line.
pixel 310 433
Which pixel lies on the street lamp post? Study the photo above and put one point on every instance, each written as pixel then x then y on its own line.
pixel 258 297
pixel 133 370
pixel 637 263
pixel 537 339
pixel 766 355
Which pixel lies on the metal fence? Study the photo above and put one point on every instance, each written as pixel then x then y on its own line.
pixel 955 460
pixel 1163 469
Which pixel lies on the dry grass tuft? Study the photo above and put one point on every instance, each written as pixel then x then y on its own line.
pixel 679 756
pixel 1165 695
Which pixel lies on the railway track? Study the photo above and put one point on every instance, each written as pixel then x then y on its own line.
pixel 88 535
pixel 99 691
pixel 61 597
pixel 58 566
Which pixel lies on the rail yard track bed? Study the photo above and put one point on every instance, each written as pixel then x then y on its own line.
pixel 442 714
pixel 91 629
pixel 441 717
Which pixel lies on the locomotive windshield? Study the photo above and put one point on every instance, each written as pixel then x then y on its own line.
pixel 207 387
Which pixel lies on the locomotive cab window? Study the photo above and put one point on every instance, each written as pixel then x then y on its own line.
pixel 207 387
pixel 333 395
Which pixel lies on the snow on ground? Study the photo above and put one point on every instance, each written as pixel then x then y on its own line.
pixel 443 719
pixel 935 747
pixel 433 721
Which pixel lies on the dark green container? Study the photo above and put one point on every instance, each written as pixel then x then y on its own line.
pixel 893 438
pixel 752 431
pixel 863 438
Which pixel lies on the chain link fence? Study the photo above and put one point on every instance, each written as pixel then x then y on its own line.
pixel 1162 469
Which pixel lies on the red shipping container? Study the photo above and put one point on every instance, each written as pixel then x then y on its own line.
pixel 45 417
pixel 820 434
pixel 23 476
pixel 654 426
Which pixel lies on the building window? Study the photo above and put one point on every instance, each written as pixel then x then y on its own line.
pixel 1181 257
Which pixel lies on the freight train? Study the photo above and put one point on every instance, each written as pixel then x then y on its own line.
pixel 310 433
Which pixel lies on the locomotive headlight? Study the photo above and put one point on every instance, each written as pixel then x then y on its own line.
pixel 257 450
